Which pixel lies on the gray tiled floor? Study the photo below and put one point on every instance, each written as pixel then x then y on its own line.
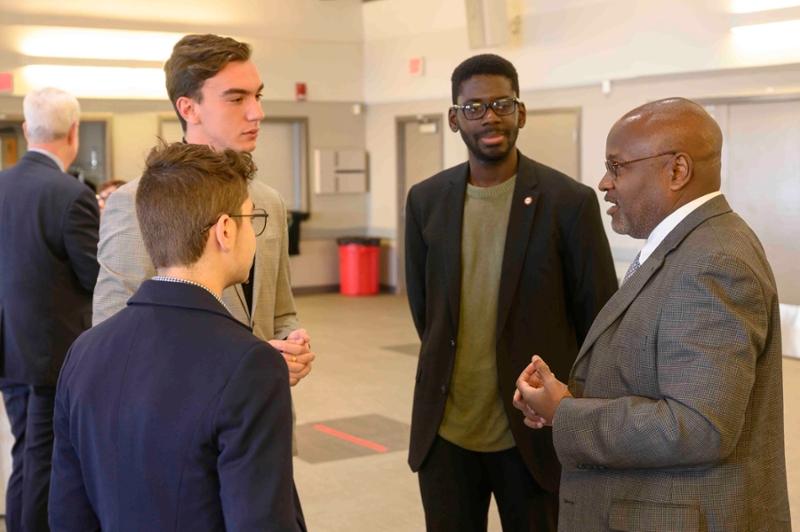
pixel 373 433
pixel 406 349
pixel 356 374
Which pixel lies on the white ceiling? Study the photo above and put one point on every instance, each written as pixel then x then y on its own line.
pixel 311 20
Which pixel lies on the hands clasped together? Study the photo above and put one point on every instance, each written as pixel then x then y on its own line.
pixel 296 350
pixel 539 393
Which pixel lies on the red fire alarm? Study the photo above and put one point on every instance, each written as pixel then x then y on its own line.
pixel 300 92
pixel 6 82
pixel 416 66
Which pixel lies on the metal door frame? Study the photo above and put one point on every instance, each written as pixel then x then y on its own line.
pixel 302 156
pixel 578 129
pixel 400 135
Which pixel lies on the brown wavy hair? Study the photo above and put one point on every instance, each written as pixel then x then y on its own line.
pixel 184 188
pixel 196 58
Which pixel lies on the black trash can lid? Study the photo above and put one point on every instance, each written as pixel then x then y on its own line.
pixel 359 240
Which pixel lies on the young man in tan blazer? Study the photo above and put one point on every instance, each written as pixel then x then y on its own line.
pixel 216 92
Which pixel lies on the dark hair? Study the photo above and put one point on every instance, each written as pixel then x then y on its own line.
pixel 196 58
pixel 112 183
pixel 184 188
pixel 483 65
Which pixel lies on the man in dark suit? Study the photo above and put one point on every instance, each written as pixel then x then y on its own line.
pixel 171 414
pixel 505 258
pixel 673 418
pixel 48 269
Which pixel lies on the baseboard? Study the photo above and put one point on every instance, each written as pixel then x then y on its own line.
pixel 387 289
pixel 333 288
pixel 311 290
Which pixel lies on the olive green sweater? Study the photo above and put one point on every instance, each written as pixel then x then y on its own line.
pixel 474 417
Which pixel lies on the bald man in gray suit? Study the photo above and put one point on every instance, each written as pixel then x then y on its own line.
pixel 673 418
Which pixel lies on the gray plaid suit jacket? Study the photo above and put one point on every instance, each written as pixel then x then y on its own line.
pixel 125 264
pixel 680 422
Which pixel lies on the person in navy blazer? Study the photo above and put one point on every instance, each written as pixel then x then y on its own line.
pixel 171 414
pixel 48 269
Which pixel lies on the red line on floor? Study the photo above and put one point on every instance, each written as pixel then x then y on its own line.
pixel 351 438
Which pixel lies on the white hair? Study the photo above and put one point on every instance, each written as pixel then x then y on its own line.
pixel 49 114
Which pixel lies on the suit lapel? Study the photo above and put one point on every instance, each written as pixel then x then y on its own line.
pixel 628 292
pixel 622 299
pixel 520 222
pixel 258 272
pixel 453 219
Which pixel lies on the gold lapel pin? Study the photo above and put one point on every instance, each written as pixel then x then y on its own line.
pixel 528 200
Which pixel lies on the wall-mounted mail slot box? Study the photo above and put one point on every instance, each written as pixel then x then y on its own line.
pixel 340 171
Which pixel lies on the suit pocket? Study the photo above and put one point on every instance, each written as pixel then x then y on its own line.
pixel 635 516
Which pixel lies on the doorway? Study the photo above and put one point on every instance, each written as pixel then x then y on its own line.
pixel 281 156
pixel 420 155
pixel 553 137
pixel 92 164
pixel 761 181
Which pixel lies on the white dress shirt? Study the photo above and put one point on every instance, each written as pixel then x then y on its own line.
pixel 669 223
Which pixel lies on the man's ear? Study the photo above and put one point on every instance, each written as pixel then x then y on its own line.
pixel 187 108
pixel 452 120
pixel 25 132
pixel 523 115
pixel 681 172
pixel 72 135
pixel 225 233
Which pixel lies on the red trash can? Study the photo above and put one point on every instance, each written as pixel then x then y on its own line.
pixel 359 261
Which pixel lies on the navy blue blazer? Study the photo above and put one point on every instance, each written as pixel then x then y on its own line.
pixel 48 267
pixel 172 416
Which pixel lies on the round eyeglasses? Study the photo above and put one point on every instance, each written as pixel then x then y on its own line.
pixel 477 110
pixel 258 219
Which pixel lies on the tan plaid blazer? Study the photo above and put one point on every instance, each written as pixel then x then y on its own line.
pixel 125 264
pixel 679 425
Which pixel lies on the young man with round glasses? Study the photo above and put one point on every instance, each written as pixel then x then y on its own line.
pixel 505 258
pixel 188 426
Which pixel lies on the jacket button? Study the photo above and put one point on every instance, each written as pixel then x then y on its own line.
pixel 444 389
pixel 453 343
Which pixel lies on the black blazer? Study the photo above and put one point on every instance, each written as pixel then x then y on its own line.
pixel 557 274
pixel 48 267
pixel 172 415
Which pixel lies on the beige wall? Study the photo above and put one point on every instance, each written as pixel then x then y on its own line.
pixel 599 112
pixel 566 43
pixel 135 125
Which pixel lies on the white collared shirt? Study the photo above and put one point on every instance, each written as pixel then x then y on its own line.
pixel 55 159
pixel 671 222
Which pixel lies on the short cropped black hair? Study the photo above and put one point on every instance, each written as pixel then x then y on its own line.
pixel 483 65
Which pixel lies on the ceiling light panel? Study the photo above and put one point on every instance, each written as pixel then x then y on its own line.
pixel 97 82
pixel 86 43
pixel 752 6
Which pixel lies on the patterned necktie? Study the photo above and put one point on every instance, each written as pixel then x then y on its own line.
pixel 632 268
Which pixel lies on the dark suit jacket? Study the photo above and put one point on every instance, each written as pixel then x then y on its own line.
pixel 172 415
pixel 48 267
pixel 679 421
pixel 557 274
